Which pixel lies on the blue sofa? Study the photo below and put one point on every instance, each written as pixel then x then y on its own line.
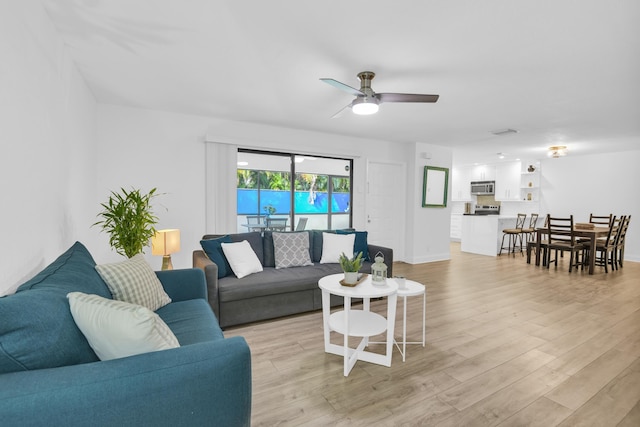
pixel 49 375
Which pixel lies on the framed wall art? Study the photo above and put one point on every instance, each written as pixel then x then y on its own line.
pixel 434 187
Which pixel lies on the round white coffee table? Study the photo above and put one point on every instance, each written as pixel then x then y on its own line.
pixel 358 323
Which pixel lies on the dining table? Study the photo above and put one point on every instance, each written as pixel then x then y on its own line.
pixel 591 233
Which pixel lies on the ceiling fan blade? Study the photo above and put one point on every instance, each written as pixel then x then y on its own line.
pixel 339 113
pixel 353 91
pixel 406 97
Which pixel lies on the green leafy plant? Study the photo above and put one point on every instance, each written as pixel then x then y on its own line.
pixel 129 220
pixel 269 209
pixel 350 265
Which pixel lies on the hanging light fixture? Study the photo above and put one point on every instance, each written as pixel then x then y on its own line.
pixel 365 105
pixel 557 151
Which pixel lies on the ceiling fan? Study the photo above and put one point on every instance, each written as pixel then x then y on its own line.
pixel 367 101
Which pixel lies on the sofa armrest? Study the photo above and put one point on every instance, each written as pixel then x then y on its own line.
pixel 388 256
pixel 183 284
pixel 203 384
pixel 202 261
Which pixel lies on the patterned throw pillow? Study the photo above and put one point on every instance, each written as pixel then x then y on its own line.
pixel 134 281
pixel 291 249
pixel 117 329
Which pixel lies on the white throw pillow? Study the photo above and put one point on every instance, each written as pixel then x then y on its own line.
pixel 117 329
pixel 134 281
pixel 242 259
pixel 333 245
pixel 291 249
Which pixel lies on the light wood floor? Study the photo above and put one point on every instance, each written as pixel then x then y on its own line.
pixel 508 344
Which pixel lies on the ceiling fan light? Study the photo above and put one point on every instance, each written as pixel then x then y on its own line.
pixel 365 106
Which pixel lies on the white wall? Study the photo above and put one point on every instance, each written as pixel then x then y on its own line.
pixel 428 228
pixel 47 118
pixel 602 184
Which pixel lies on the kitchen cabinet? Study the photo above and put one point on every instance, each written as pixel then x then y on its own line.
pixel 508 181
pixel 483 173
pixel 460 184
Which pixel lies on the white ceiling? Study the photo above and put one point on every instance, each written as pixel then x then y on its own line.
pixel 558 71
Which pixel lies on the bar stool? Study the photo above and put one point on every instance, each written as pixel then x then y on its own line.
pixel 411 289
pixel 514 234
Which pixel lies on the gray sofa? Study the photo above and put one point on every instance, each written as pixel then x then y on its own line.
pixel 273 292
pixel 50 376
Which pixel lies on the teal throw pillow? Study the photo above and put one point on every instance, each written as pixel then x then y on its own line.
pixel 360 244
pixel 213 249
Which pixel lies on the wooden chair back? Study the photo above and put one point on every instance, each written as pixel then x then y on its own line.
pixel 520 221
pixel 560 231
pixel 533 221
pixel 604 220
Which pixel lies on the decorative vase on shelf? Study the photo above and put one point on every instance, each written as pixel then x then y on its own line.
pixel 531 168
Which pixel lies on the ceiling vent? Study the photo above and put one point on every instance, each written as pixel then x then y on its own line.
pixel 501 132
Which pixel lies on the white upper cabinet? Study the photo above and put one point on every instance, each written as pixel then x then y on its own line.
pixel 483 173
pixel 508 181
pixel 460 184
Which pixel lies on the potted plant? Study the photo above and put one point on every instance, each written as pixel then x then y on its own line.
pixel 350 266
pixel 269 209
pixel 129 220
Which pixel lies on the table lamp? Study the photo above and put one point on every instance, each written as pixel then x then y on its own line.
pixel 165 243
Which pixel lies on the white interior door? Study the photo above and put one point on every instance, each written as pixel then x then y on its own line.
pixel 386 194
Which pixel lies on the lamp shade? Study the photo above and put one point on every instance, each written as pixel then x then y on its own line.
pixel 165 242
pixel 364 106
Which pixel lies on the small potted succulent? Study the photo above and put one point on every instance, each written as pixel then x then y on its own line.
pixel 351 266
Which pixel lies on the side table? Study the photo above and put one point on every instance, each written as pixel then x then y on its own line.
pixel 358 323
pixel 411 289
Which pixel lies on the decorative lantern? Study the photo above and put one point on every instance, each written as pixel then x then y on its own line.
pixel 379 270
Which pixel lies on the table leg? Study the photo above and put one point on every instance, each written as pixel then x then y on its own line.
pixel 592 254
pixel 347 309
pixel 404 329
pixel 538 239
pixel 326 312
pixel 392 300
pixel 424 316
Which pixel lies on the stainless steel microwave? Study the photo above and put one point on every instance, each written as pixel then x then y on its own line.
pixel 482 188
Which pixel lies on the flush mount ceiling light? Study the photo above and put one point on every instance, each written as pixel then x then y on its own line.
pixel 365 106
pixel 557 151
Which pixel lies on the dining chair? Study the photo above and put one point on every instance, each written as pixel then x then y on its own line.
pixel 513 234
pixel 619 251
pixel 604 220
pixel 530 231
pixel 606 247
pixel 302 224
pixel 532 244
pixel 254 222
pixel 562 239
pixel 277 224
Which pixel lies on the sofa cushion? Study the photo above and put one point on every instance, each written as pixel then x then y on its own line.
pixel 191 321
pixel 242 259
pixel 255 240
pixel 71 271
pixel 360 244
pixel 213 249
pixel 316 243
pixel 291 249
pixel 118 329
pixel 38 332
pixel 36 326
pixel 335 245
pixel 134 281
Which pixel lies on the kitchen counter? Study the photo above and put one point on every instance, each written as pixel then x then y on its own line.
pixel 482 234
